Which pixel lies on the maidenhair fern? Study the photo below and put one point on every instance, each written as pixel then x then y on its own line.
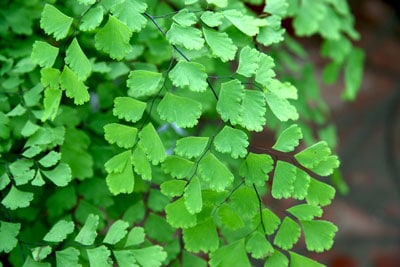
pixel 126 126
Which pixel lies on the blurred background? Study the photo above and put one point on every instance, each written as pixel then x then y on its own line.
pixel 368 217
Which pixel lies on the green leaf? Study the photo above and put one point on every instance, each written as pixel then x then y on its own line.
pixel 276 7
pixel 29 129
pixel 258 246
pixel 308 17
pixel 233 254
pixel 314 154
pixel 129 13
pixel 232 141
pixel 277 97
pixel 120 178
pixel 128 108
pixel 305 211
pixel 92 19
pixel 278 259
pixel 212 19
pixel 190 74
pixel 185 18
pixel 99 256
pixel 289 139
pixel 330 26
pixel 40 253
pixel 230 100
pixel 202 237
pixel 17 199
pixel 191 146
pixel 135 237
pixel 116 232
pixel 184 111
pixel 271 221
pixel 173 188
pixel 319 193
pixel 188 37
pixel 248 208
pixel 265 71
pixel 60 175
pixel 297 260
pixel 288 234
pixel 178 215
pixel 54 22
pixel 113 38
pixel 8 236
pixel 253 111
pixel 77 60
pixel 44 54
pixel 50 159
pixel 272 33
pixel 247 24
pixel 68 257
pixel 248 61
pixel 192 196
pixel 141 164
pixel 353 74
pixel 301 185
pixel 218 3
pixel 214 173
pixel 88 234
pixel 21 171
pixel 229 217
pixel 51 102
pixel 318 234
pixel 121 135
pixel 29 262
pixel 87 2
pixel 59 231
pixel 255 169
pixel 284 178
pixel 125 258
pixel 151 256
pixel 151 144
pixel 143 83
pixel 220 44
pixel 74 88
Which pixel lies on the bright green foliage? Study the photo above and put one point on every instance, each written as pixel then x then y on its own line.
pixel 88 234
pixel 55 22
pixel 248 61
pixel 297 260
pixel 288 234
pixel 74 88
pixel 232 141
pixel 202 237
pixel 191 146
pixel 188 37
pixel 8 234
pixel 219 42
pixel 214 172
pixel 255 168
pixel 143 83
pixel 318 234
pixel 233 254
pixel 258 246
pixel 17 199
pixel 289 139
pixel 121 135
pixel 182 110
pixel 305 211
pixel 116 232
pixel 190 74
pixel 77 60
pixel 128 108
pixel 113 38
pixel 59 231
pixel 130 123
pixel 44 54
